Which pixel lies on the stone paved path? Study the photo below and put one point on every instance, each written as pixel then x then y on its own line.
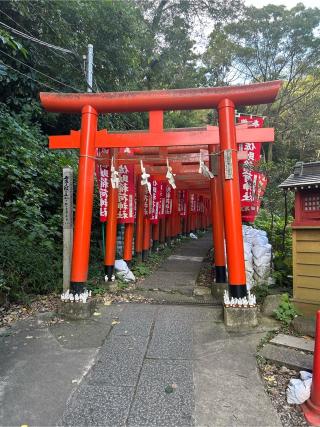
pixel 133 365
pixel 180 271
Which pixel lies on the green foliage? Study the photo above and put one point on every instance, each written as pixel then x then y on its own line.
pixel 141 270
pixel 96 288
pixel 30 202
pixel 27 268
pixel 286 311
pixel 264 340
pixel 280 236
pixel 261 292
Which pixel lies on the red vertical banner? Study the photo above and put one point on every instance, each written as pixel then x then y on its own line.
pixel 201 204
pixel 162 207
pixel 168 200
pixel 261 188
pixel 250 213
pixel 197 203
pixel 193 203
pixel 126 194
pixel 155 200
pixel 182 202
pixel 147 206
pixel 103 177
pixel 248 177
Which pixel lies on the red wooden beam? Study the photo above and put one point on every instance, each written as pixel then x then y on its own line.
pixel 174 99
pixel 169 138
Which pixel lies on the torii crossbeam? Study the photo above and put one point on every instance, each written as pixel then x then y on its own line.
pixel 225 99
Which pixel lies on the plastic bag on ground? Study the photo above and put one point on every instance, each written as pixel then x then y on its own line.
pixel 298 390
pixel 193 236
pixel 123 271
pixel 120 265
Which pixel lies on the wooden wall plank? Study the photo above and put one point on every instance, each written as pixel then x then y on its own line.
pixel 308 294
pixel 308 281
pixel 308 270
pixel 305 235
pixel 294 262
pixel 305 258
pixel 308 246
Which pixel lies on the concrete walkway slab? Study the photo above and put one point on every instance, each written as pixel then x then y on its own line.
pixel 185 258
pixel 289 357
pixel 159 366
pixel 136 365
pixel 164 395
pixel 37 375
pixel 183 282
pixel 299 343
pixel 180 271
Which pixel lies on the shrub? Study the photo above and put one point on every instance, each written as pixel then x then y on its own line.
pixel 27 268
pixel 286 310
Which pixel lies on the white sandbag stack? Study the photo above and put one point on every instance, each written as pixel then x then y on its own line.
pixel 248 259
pixel 257 254
pixel 261 262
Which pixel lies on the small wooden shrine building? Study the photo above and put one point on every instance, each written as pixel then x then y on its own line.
pixel 305 182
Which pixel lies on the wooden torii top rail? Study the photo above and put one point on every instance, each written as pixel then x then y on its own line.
pixel 174 99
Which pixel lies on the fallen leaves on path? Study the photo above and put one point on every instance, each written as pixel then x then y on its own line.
pixel 276 380
pixel 14 312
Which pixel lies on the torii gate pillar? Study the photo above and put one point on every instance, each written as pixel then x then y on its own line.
pixel 217 217
pixel 84 201
pixel 231 200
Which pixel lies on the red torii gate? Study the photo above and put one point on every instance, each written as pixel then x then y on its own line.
pixel 223 98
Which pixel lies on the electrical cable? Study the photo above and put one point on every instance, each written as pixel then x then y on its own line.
pixel 56 33
pixel 31 78
pixel 16 23
pixel 34 39
pixel 40 72
pixel 56 53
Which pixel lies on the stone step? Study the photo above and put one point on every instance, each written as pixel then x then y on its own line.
pixel 299 343
pixel 293 359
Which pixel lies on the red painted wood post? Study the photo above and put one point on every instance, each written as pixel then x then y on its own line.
pixel 84 202
pixel 219 260
pixel 139 220
pixel 146 238
pixel 173 231
pixel 162 236
pixel 168 229
pixel 155 235
pixel 128 238
pixel 111 231
pixel 311 408
pixel 231 198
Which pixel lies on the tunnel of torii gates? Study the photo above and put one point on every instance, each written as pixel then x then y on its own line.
pixel 184 144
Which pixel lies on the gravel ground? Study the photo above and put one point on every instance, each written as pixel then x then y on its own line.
pixel 276 380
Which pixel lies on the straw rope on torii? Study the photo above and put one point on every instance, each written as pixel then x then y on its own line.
pixel 226 216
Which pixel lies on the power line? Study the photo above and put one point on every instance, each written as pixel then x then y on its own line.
pixel 53 30
pixel 29 77
pixel 16 23
pixel 40 72
pixel 45 44
pixel 34 39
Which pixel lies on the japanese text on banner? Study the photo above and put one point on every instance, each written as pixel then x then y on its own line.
pixel 155 191
pixel 126 194
pixel 248 177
